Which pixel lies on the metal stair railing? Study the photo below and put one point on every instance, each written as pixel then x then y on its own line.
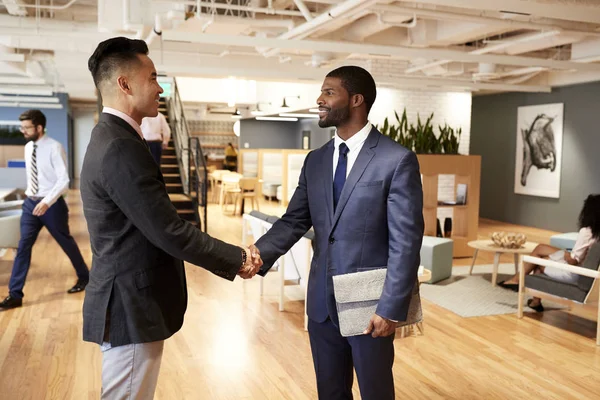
pixel 190 158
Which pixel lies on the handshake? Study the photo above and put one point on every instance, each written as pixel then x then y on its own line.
pixel 252 264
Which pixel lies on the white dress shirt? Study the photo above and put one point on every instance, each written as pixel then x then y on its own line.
pixel 355 143
pixel 51 162
pixel 125 117
pixel 156 129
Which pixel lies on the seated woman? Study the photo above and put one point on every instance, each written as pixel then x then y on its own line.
pixel 589 233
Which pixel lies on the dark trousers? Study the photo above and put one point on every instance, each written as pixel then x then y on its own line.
pixel 56 220
pixel 156 150
pixel 334 356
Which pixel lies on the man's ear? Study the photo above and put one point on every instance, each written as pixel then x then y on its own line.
pixel 357 100
pixel 123 84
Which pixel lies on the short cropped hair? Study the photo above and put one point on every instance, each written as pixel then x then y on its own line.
pixel 113 54
pixel 36 116
pixel 356 80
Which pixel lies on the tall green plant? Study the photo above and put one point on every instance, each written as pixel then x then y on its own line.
pixel 421 137
pixel 449 139
pixel 424 139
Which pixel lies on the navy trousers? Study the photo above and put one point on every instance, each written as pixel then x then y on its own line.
pixel 156 150
pixel 334 357
pixel 56 220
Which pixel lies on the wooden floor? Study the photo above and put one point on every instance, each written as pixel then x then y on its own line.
pixel 236 345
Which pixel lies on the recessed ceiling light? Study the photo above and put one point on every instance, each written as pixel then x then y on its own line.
pixel 277 119
pixel 298 115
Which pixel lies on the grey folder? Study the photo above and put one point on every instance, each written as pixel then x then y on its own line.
pixel 356 298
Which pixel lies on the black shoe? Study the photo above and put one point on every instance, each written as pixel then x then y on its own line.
pixel 510 286
pixel 11 302
pixel 79 287
pixel 538 308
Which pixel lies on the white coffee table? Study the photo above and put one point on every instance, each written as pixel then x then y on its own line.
pixel 489 245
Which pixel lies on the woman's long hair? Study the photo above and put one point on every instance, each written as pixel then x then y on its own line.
pixel 590 215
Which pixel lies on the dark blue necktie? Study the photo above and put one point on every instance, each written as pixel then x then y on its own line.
pixel 340 174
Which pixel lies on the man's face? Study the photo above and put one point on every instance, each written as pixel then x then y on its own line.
pixel 334 103
pixel 30 131
pixel 145 88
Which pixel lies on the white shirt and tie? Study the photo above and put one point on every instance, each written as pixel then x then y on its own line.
pixel 48 178
pixel 355 144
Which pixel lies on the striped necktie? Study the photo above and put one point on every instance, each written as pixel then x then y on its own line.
pixel 34 171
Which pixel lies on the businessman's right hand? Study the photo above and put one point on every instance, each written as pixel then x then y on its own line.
pixel 252 264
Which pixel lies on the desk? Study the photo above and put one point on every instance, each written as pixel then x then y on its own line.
pixel 489 245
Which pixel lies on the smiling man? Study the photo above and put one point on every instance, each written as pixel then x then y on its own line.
pixel 47 181
pixel 137 294
pixel 362 194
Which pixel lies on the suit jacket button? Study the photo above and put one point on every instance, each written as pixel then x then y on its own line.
pixel 331 240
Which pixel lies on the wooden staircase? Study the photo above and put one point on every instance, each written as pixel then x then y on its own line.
pixel 170 170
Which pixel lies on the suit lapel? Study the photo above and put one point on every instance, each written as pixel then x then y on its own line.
pixel 327 168
pixel 364 158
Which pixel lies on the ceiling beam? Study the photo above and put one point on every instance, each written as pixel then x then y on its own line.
pixel 572 10
pixel 369 49
pixel 316 75
pixel 12 57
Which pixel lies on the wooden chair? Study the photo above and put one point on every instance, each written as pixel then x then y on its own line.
pixel 248 191
pixel 579 292
pixel 214 178
pixel 230 189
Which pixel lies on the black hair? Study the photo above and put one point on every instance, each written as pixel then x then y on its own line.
pixel 590 215
pixel 36 116
pixel 113 54
pixel 356 80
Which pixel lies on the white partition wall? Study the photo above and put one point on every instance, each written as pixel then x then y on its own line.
pixel 249 163
pixel 295 161
pixel 275 168
pixel 272 166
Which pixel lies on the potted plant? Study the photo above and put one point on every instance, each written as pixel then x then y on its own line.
pixel 420 137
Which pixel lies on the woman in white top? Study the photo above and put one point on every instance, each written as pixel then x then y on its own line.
pixel 589 233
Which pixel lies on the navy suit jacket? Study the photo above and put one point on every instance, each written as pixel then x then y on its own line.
pixel 378 223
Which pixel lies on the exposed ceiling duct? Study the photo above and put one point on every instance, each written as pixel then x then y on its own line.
pixel 451 44
pixel 573 10
pixel 15 7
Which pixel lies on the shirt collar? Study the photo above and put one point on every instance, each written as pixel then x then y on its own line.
pixel 356 140
pixel 41 140
pixel 125 117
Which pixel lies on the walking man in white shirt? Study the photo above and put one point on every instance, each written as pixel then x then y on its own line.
pixel 47 181
pixel 157 134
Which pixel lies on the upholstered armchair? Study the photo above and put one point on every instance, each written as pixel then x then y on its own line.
pixel 579 292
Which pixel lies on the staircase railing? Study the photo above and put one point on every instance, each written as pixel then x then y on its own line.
pixel 190 159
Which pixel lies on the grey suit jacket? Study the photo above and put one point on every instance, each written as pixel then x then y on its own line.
pixel 378 223
pixel 137 285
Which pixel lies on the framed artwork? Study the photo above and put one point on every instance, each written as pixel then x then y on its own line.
pixel 539 150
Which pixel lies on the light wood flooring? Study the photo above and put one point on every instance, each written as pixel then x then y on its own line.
pixel 237 345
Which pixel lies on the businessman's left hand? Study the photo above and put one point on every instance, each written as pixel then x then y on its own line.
pixel 380 326
pixel 40 209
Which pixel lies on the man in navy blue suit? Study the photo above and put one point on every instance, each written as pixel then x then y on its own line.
pixel 362 194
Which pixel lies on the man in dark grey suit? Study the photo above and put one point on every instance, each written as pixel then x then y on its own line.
pixel 362 194
pixel 136 297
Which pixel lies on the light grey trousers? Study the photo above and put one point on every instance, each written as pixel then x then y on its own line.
pixel 130 372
